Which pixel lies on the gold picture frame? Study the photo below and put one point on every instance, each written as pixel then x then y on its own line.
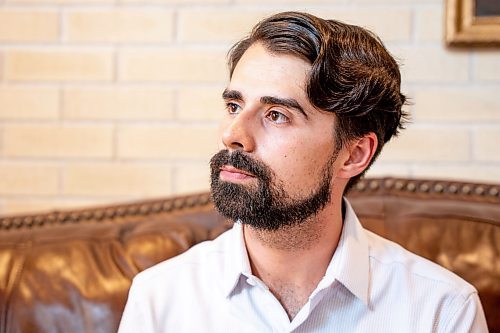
pixel 465 28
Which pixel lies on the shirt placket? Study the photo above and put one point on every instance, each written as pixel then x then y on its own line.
pixel 275 314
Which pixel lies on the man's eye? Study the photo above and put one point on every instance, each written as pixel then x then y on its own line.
pixel 277 117
pixel 232 108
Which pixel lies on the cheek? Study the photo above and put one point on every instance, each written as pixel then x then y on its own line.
pixel 298 159
pixel 297 166
pixel 311 162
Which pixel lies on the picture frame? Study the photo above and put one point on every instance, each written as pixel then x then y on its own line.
pixel 473 23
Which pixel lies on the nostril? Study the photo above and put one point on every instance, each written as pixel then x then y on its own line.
pixel 237 144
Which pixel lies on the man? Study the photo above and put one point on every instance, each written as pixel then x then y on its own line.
pixel 310 103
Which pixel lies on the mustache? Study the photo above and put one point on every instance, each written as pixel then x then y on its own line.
pixel 240 161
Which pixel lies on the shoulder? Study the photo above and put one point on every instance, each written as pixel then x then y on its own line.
pixel 422 287
pixel 388 257
pixel 162 294
pixel 202 258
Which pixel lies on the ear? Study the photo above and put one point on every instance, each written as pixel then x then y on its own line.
pixel 360 153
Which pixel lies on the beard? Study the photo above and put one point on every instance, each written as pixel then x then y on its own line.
pixel 265 205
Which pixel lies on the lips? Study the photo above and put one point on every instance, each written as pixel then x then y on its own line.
pixel 228 172
pixel 230 168
pixel 237 167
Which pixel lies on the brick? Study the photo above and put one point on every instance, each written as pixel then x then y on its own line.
pixel 28 26
pixel 179 65
pixel 58 65
pixel 120 25
pixel 192 178
pixel 385 2
pixel 50 2
pixel 31 103
pixel 430 24
pixel 28 205
pixel 428 144
pixel 469 172
pixel 429 64
pixel 200 103
pixel 487 66
pixel 486 147
pixel 371 2
pixel 1 141
pixel 68 141
pixel 28 179
pixel 174 142
pixel 121 103
pixel 1 65
pixel 287 2
pixel 177 2
pixel 117 179
pixel 392 25
pixel 211 25
pixel 457 104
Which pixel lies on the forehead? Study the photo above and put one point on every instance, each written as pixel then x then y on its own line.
pixel 259 70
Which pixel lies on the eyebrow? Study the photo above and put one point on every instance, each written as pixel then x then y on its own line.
pixel 232 94
pixel 286 102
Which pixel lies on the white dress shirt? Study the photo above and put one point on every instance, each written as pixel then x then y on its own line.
pixel 371 285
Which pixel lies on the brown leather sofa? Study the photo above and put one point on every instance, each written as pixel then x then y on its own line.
pixel 69 271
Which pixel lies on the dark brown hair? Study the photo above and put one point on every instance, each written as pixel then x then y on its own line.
pixel 352 75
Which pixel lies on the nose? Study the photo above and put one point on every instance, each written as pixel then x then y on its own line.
pixel 238 134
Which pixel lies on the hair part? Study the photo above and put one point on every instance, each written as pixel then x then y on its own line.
pixel 352 74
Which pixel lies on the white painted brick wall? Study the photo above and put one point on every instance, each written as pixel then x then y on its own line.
pixel 110 100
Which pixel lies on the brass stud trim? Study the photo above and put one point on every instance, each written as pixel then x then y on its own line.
pixel 399 185
pixel 439 188
pixel 424 187
pixel 374 185
pixel 493 191
pixel 411 187
pixel 390 184
pixel 466 189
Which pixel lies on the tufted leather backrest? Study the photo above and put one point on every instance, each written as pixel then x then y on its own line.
pixel 70 271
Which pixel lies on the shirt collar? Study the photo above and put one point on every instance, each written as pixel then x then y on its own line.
pixel 236 262
pixel 349 264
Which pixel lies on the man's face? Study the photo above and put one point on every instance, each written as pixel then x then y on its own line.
pixel 279 163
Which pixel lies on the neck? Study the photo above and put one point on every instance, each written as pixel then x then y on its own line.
pixel 310 244
pixel 292 260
